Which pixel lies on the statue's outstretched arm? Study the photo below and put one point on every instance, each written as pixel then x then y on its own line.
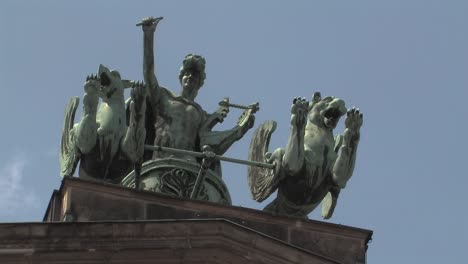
pixel 294 152
pixel 344 165
pixel 149 27
pixel 221 141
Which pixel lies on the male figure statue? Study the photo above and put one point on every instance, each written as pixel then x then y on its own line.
pixel 177 121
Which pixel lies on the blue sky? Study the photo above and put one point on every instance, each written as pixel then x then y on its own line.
pixel 404 63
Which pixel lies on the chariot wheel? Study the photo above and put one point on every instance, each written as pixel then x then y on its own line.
pixel 177 177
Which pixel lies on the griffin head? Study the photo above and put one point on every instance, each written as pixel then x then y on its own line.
pixel 326 112
pixel 111 83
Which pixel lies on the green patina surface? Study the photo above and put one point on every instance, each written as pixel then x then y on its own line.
pixel 109 141
pixel 315 165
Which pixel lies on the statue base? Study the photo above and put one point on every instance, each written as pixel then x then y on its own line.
pixel 93 222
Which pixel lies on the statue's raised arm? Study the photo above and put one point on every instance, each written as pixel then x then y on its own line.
pixel 148 25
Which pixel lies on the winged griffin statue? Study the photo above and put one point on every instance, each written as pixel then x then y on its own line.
pixel 164 142
pixel 314 166
pixel 105 140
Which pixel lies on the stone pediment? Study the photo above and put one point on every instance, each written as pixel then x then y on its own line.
pixel 159 241
pixel 118 224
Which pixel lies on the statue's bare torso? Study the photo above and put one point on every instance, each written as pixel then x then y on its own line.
pixel 177 121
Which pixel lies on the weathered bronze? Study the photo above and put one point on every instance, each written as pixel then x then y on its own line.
pixel 314 166
pixel 105 140
pixel 110 139
pixel 177 121
pixel 165 142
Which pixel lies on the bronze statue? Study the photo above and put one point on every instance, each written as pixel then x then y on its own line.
pixel 314 166
pixel 105 140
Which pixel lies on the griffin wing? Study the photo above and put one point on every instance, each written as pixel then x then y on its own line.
pixel 262 181
pixel 69 154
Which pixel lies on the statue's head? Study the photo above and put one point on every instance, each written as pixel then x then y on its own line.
pixel 326 112
pixel 111 82
pixel 195 66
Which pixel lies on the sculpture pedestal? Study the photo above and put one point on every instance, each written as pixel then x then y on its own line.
pixel 113 224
